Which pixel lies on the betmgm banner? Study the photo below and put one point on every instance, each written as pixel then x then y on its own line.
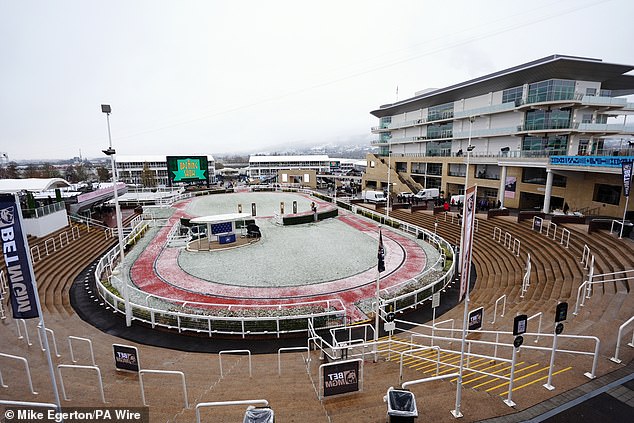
pixel 15 251
pixel 467 237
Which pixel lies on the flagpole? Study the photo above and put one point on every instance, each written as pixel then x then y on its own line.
pixel 376 316
pixel 41 325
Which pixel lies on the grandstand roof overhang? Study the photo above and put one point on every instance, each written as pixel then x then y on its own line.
pixel 289 159
pixel 612 77
pixel 32 184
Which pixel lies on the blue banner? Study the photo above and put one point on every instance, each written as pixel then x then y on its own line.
pixel 598 161
pixel 15 251
pixel 627 177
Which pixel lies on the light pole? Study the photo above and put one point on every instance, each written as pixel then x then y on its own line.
pixel 389 174
pixel 105 108
pixel 456 412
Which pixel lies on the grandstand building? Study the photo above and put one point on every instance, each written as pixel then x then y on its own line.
pixel 130 168
pixel 267 167
pixel 547 134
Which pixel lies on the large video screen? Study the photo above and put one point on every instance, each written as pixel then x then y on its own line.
pixel 186 169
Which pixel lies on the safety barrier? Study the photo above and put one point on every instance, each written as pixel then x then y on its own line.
pixel 618 340
pixel 510 242
pixel 289 349
pixel 26 331
pixel 26 368
pixel 77 338
pixel 57 354
pixel 234 352
pixel 495 309
pixel 199 406
pixel 585 256
pixel 74 366
pixel 163 372
pixel 538 225
pixel 526 280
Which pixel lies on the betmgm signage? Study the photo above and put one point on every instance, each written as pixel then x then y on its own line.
pixel 187 169
pixel 16 257
pixel 341 377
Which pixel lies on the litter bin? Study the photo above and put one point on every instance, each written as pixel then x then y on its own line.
pixel 401 406
pixel 627 229
pixel 259 415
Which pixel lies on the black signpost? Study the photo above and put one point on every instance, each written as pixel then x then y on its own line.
pixel 340 378
pixel 126 358
pixel 476 318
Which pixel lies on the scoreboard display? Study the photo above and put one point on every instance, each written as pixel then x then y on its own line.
pixel 187 169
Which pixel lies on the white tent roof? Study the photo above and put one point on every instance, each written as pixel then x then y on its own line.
pixel 218 218
pixel 32 184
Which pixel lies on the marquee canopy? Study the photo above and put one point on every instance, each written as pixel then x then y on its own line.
pixel 32 184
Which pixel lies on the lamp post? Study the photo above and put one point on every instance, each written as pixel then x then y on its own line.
pixel 105 108
pixel 389 174
pixel 456 412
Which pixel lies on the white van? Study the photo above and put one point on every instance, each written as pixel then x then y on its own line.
pixel 456 199
pixel 374 196
pixel 428 194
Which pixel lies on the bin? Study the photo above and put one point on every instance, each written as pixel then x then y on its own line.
pixel 259 415
pixel 401 406
pixel 627 229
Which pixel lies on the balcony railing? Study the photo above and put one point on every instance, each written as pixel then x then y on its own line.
pixel 479 133
pixel 496 108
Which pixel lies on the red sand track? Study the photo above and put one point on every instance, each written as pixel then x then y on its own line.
pixel 156 271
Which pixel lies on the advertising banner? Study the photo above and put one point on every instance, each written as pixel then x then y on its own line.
pixel 126 358
pixel 16 257
pixel 341 378
pixel 475 318
pixel 467 237
pixel 627 177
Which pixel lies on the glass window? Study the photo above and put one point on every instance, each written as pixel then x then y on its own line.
pixel 586 118
pixel 444 130
pixel 534 175
pixel 610 194
pixel 547 119
pixel 456 169
pixel 591 91
pixel 551 90
pixel 442 111
pixel 582 150
pixel 512 94
pixel 434 169
pixel 419 168
pixel 554 144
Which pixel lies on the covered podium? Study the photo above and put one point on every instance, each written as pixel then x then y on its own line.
pixel 220 229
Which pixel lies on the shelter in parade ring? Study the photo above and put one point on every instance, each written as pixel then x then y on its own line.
pixel 220 231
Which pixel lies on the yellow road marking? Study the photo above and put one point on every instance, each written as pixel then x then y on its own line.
pixel 506 375
pixel 538 380
pixel 517 378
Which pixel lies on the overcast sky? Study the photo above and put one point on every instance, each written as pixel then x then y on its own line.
pixel 211 77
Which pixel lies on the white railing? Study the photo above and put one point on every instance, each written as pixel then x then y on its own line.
pixel 585 256
pixel 234 352
pixel 26 369
pixel 74 366
pixel 495 309
pixel 163 372
pixel 616 358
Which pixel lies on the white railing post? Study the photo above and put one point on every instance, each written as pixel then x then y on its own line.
pixel 164 372
pixel 232 352
pixel 616 358
pixel 26 368
pixel 72 354
pixel 74 366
